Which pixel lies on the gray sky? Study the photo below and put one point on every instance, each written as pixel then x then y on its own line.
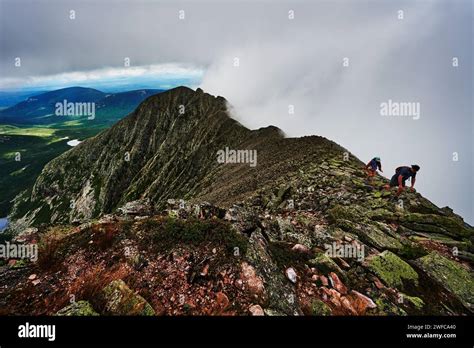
pixel 282 62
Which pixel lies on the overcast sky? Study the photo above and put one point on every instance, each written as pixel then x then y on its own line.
pixel 282 62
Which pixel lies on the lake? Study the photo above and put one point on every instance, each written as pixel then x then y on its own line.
pixel 74 142
pixel 3 223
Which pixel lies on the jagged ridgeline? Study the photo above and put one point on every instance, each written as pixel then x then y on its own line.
pixel 167 148
pixel 147 208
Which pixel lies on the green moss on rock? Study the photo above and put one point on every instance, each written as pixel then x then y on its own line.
pixel 352 213
pixel 385 307
pixel 392 270
pixel 121 300
pixel 414 301
pixel 325 264
pixel 450 275
pixel 80 308
pixel 319 308
pixel 437 223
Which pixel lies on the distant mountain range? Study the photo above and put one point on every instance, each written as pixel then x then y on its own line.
pixel 31 128
pixel 9 98
pixel 40 109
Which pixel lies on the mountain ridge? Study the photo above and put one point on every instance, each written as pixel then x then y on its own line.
pixel 302 232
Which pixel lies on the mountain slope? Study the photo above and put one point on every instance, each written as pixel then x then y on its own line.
pixel 43 104
pixel 39 137
pixel 302 232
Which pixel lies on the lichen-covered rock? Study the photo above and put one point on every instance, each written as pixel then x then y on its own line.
pixel 371 234
pixel 326 265
pixel 121 300
pixel 414 301
pixel 319 308
pixel 352 213
pixel 138 207
pixel 279 293
pixel 80 308
pixel 451 276
pixel 448 225
pixel 392 270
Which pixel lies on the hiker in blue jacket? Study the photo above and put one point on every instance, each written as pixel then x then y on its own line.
pixel 372 167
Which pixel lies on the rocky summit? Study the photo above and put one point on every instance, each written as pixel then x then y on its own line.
pixel 143 219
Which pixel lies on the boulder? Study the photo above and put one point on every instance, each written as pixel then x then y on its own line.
pixel 392 270
pixel 451 276
pixel 451 226
pixel 138 207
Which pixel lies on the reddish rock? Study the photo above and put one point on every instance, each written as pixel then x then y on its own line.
pixel 256 310
pixel 343 263
pixel 334 297
pixel 32 277
pixel 325 291
pixel 222 300
pixel 300 248
pixel 361 302
pixel 337 283
pixel 378 283
pixel 251 280
pixel 324 280
pixel 346 304
pixel 334 293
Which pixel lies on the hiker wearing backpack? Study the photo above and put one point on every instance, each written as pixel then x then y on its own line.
pixel 402 174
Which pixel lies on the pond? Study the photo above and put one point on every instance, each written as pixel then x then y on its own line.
pixel 3 223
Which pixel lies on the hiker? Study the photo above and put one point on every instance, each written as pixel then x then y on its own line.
pixel 372 166
pixel 401 175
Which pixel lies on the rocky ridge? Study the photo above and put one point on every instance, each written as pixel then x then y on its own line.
pixel 172 232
